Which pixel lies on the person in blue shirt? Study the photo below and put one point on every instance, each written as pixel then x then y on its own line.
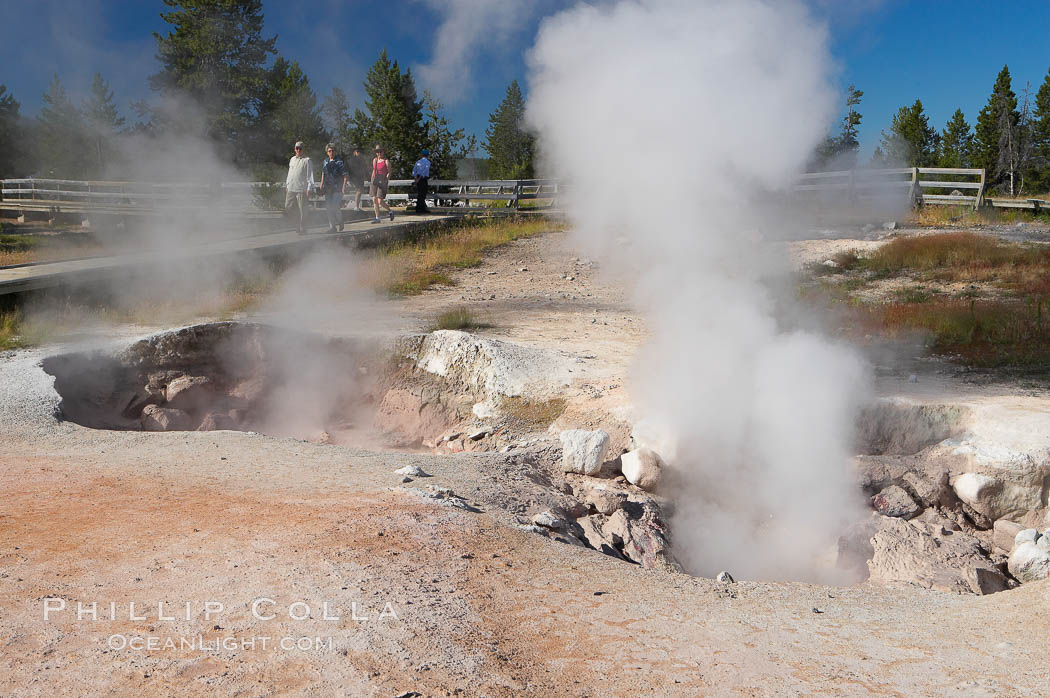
pixel 421 175
pixel 333 186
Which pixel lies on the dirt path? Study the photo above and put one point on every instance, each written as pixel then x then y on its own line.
pixel 482 608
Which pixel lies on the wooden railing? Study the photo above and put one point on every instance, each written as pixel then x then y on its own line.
pixel 913 185
pixel 73 195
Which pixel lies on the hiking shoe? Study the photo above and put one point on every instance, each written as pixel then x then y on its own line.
pixel 375 220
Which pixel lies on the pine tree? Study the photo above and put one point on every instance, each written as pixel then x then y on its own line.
pixel 288 112
pixel 62 146
pixel 956 140
pixel 215 56
pixel 336 113
pixel 394 118
pixel 911 142
pixel 447 147
pixel 878 159
pixel 11 146
pixel 847 140
pixel 509 145
pixel 988 134
pixel 1038 177
pixel 840 152
pixel 103 122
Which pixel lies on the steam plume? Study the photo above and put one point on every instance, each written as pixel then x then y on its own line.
pixel 468 26
pixel 706 107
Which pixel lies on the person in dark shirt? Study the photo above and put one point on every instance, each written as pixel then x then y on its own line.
pixel 333 186
pixel 421 175
pixel 357 170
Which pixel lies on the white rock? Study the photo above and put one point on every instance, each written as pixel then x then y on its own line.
pixel 641 467
pixel 1043 543
pixel 1028 535
pixel 583 451
pixel 724 578
pixel 831 263
pixel 1028 563
pixel 412 471
pixel 484 410
pixel 547 520
pixel 491 366
pixel 975 489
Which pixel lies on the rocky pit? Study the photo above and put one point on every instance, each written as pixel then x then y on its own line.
pixel 950 499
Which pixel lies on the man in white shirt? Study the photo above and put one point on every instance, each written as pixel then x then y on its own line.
pixel 298 185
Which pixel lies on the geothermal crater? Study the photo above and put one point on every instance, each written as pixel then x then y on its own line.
pixel 251 377
pixel 451 391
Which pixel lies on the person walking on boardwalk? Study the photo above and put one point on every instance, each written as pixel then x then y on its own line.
pixel 380 181
pixel 333 186
pixel 421 175
pixel 357 172
pixel 298 185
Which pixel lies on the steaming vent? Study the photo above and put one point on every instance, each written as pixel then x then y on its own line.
pixel 250 377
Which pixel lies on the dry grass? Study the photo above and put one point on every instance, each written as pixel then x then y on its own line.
pixel 985 334
pixel 23 248
pixel 412 267
pixel 527 414
pixel 1022 269
pixel 941 216
pixel 981 327
pixel 458 319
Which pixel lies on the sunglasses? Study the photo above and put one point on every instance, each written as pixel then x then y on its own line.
pixel 298 147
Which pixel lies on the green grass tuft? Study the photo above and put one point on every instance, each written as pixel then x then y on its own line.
pixel 458 319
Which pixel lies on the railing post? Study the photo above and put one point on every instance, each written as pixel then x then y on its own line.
pixel 980 193
pixel 914 186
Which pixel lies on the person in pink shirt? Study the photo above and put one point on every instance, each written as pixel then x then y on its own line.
pixel 379 183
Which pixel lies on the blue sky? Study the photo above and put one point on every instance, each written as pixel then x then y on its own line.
pixel 945 53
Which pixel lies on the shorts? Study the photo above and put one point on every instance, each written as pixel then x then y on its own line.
pixel 377 190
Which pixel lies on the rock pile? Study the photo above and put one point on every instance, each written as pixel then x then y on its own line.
pixel 623 520
pixel 950 497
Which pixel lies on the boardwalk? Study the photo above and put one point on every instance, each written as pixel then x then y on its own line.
pixel 32 277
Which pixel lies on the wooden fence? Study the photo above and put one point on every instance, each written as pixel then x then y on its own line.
pixel 72 196
pixel 909 185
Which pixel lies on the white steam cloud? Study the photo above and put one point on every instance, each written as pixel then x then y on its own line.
pixel 704 109
pixel 468 26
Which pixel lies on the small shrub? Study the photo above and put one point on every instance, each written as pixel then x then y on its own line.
pixel 847 259
pixel 913 294
pixel 458 319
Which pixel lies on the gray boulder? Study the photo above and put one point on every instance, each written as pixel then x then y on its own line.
pixel 156 418
pixel 932 556
pixel 896 502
